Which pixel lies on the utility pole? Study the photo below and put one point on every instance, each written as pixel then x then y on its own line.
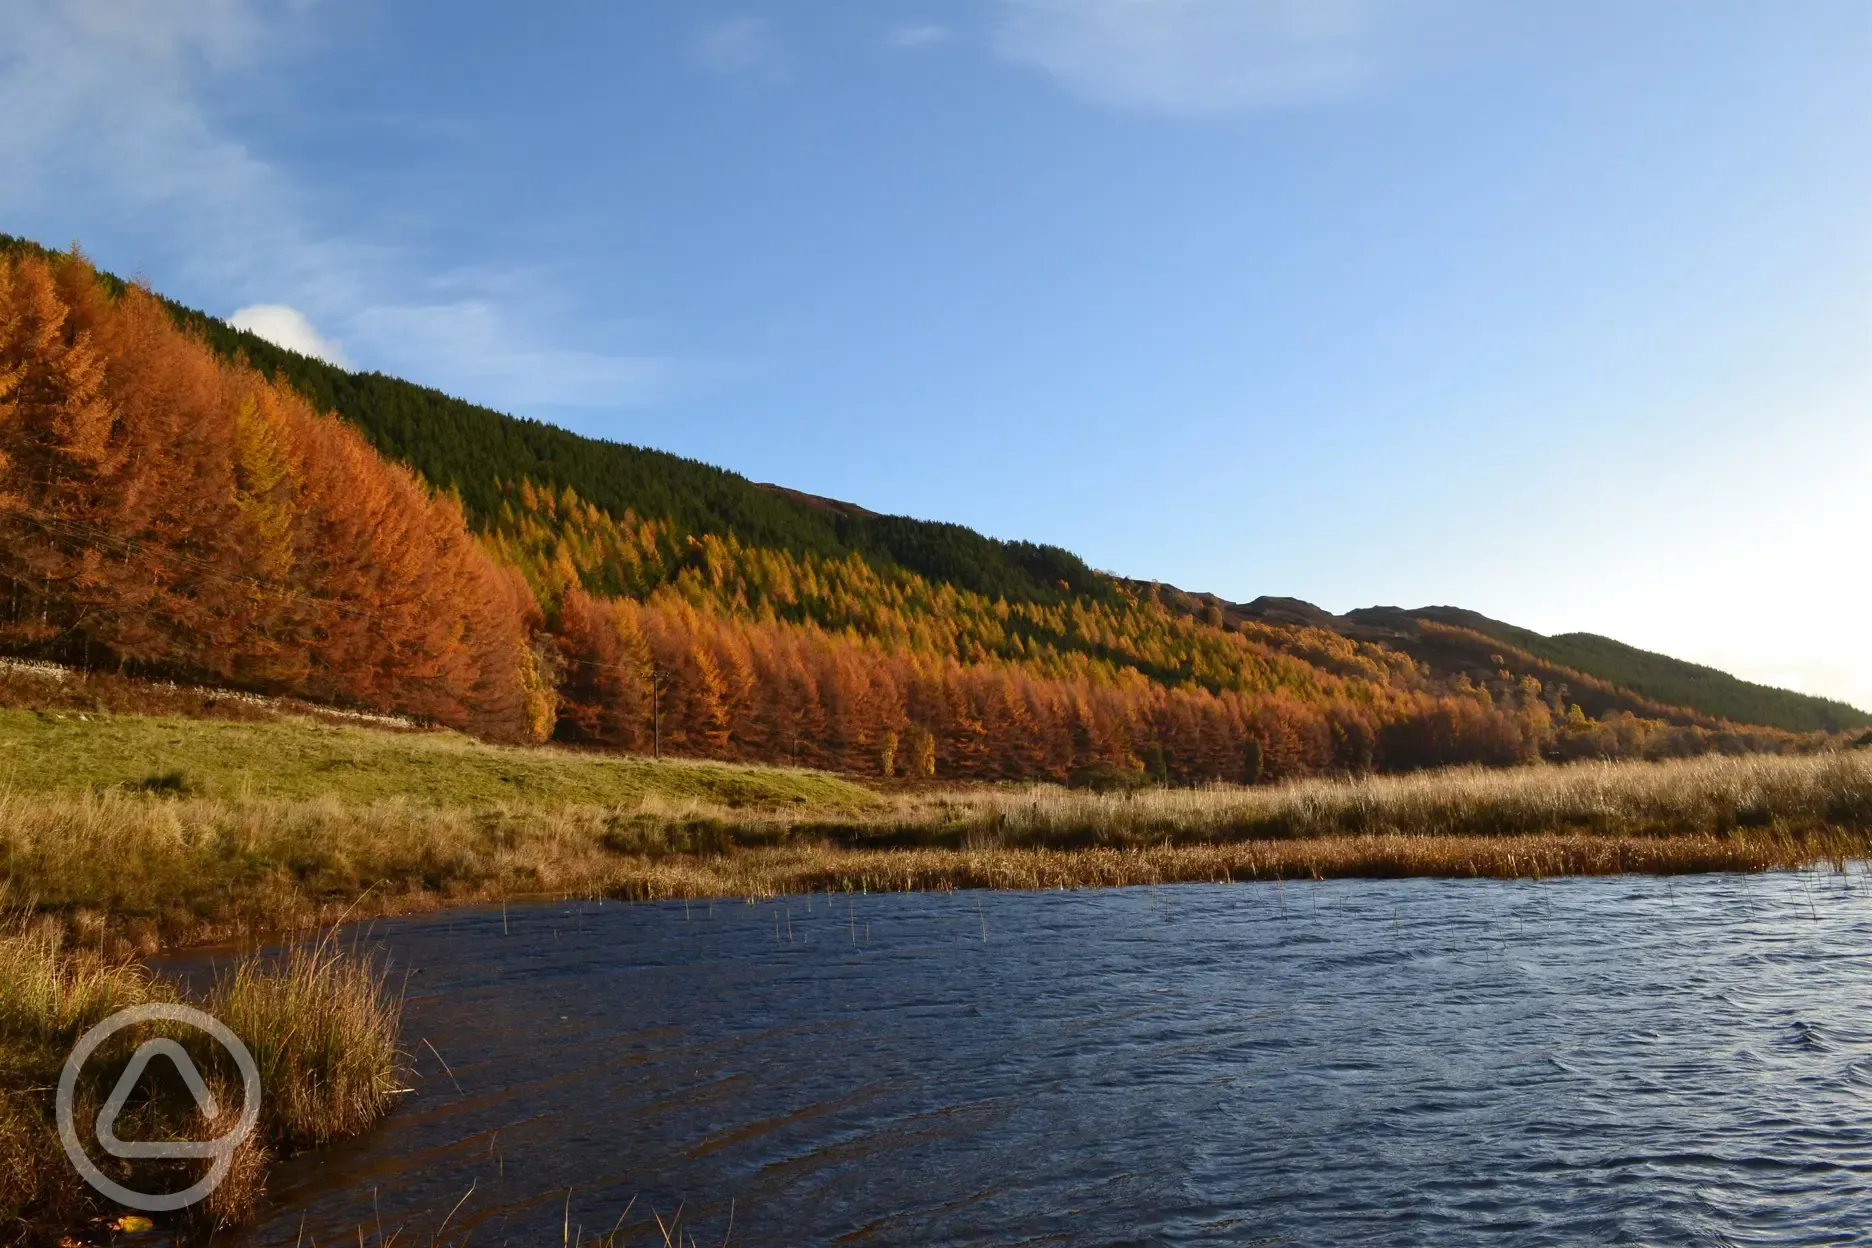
pixel 657 677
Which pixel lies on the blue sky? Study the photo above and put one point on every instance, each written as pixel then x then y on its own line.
pixel 1560 312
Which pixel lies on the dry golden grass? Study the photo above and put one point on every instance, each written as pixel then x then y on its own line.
pixel 133 872
pixel 48 998
pixel 323 1030
pixel 1713 795
pixel 321 1024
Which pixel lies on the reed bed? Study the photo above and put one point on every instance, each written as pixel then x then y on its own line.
pixel 771 873
pixel 131 872
pixel 321 1022
pixel 1715 795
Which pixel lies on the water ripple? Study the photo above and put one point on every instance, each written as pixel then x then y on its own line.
pixel 1368 1063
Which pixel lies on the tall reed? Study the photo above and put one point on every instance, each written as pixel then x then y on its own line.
pixel 321 1022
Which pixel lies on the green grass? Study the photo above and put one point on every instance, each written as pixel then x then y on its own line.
pixel 292 759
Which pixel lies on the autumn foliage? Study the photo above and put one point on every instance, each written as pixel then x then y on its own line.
pixel 839 663
pixel 167 512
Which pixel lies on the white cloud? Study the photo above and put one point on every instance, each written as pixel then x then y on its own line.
pixel 741 47
pixel 288 327
pixel 916 35
pixel 108 126
pixel 1198 57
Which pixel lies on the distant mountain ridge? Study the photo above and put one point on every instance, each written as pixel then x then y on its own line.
pixel 1659 677
pixel 1656 684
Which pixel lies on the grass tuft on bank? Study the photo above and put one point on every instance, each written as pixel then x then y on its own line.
pixel 321 1022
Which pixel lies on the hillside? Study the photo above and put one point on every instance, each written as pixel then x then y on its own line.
pixel 1657 677
pixel 473 451
pixel 179 503
pixel 1603 676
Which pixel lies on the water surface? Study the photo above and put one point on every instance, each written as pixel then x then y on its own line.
pixel 1587 1062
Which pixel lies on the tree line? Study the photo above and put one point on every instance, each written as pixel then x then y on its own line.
pixel 170 511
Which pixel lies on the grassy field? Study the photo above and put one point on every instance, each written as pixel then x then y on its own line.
pixel 69 752
pixel 142 833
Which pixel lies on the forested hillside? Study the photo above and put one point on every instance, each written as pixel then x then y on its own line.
pixel 474 450
pixel 1656 677
pixel 166 511
pixel 176 502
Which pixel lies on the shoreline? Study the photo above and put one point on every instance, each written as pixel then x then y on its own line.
pixel 766 874
pixel 129 872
